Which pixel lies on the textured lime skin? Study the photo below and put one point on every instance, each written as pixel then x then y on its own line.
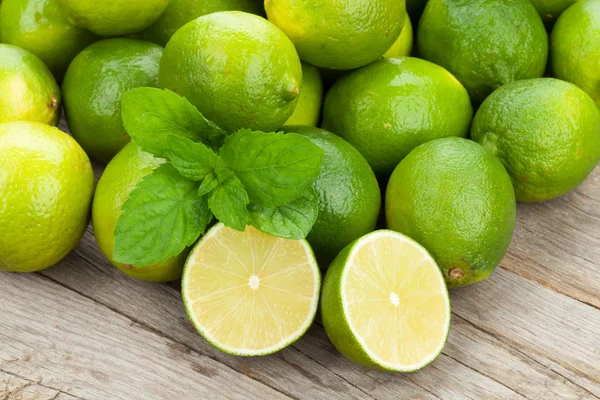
pixel 117 182
pixel 339 34
pixel 388 108
pixel 180 12
pixel 42 27
pixel 575 47
pixel 46 187
pixel 94 84
pixel 415 8
pixel 404 44
pixel 550 10
pixel 545 131
pixel 28 91
pixel 114 17
pixel 308 109
pixel 237 68
pixel 456 199
pixel 485 44
pixel 349 195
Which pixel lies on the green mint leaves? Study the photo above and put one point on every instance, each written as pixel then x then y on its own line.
pixel 249 177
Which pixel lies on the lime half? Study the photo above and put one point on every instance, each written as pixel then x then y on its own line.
pixel 248 293
pixel 385 304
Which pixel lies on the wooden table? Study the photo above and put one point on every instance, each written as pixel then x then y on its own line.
pixel 83 330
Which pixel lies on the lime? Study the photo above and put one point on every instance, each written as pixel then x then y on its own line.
pixel 385 304
pixel 404 44
pixel 349 196
pixel 114 17
pixel 308 109
pixel 180 12
pixel 249 293
pixel 484 44
pixel 339 34
pixel 94 84
pixel 42 27
pixel 237 68
pixel 550 10
pixel 28 91
pixel 456 199
pixel 388 108
pixel 119 179
pixel 545 131
pixel 575 47
pixel 46 187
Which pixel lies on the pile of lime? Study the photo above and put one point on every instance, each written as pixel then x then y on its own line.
pixel 291 155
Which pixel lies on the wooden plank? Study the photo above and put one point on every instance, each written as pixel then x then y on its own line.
pixel 15 388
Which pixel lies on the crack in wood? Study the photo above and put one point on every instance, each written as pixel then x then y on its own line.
pixel 30 382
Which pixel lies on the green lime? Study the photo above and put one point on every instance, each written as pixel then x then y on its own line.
pixel 339 34
pixel 404 44
pixel 349 196
pixel 575 47
pixel 385 305
pixel 388 108
pixel 42 27
pixel 550 10
pixel 94 84
pixel 46 187
pixel 308 109
pixel 485 44
pixel 545 131
pixel 249 293
pixel 456 199
pixel 117 182
pixel 114 17
pixel 414 8
pixel 237 68
pixel 28 91
pixel 180 12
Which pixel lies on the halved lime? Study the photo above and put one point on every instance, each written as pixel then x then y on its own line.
pixel 249 293
pixel 385 304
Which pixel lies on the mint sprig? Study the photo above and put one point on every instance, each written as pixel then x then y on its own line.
pixel 249 177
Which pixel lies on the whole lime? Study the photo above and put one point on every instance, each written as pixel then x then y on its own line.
pixel 545 131
pixel 550 10
pixel 114 17
pixel 339 34
pixel 575 47
pixel 485 44
pixel 117 182
pixel 388 108
pixel 42 27
pixel 456 199
pixel 237 68
pixel 349 196
pixel 180 12
pixel 404 44
pixel 94 84
pixel 308 109
pixel 28 91
pixel 46 187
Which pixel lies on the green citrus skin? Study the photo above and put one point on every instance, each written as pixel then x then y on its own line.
pixel 575 47
pixel 456 199
pixel 114 17
pixel 308 109
pixel 550 10
pixel 117 182
pixel 28 91
pixel 404 44
pixel 388 108
pixel 180 12
pixel 349 195
pixel 238 69
pixel 485 44
pixel 42 27
pixel 339 34
pixel 46 187
pixel 94 84
pixel 545 131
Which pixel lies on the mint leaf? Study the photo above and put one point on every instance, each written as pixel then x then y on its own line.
pixel 162 216
pixel 291 221
pixel 193 160
pixel 151 114
pixel 208 184
pixel 275 168
pixel 228 203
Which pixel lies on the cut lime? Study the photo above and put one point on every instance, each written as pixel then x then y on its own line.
pixel 385 304
pixel 249 293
